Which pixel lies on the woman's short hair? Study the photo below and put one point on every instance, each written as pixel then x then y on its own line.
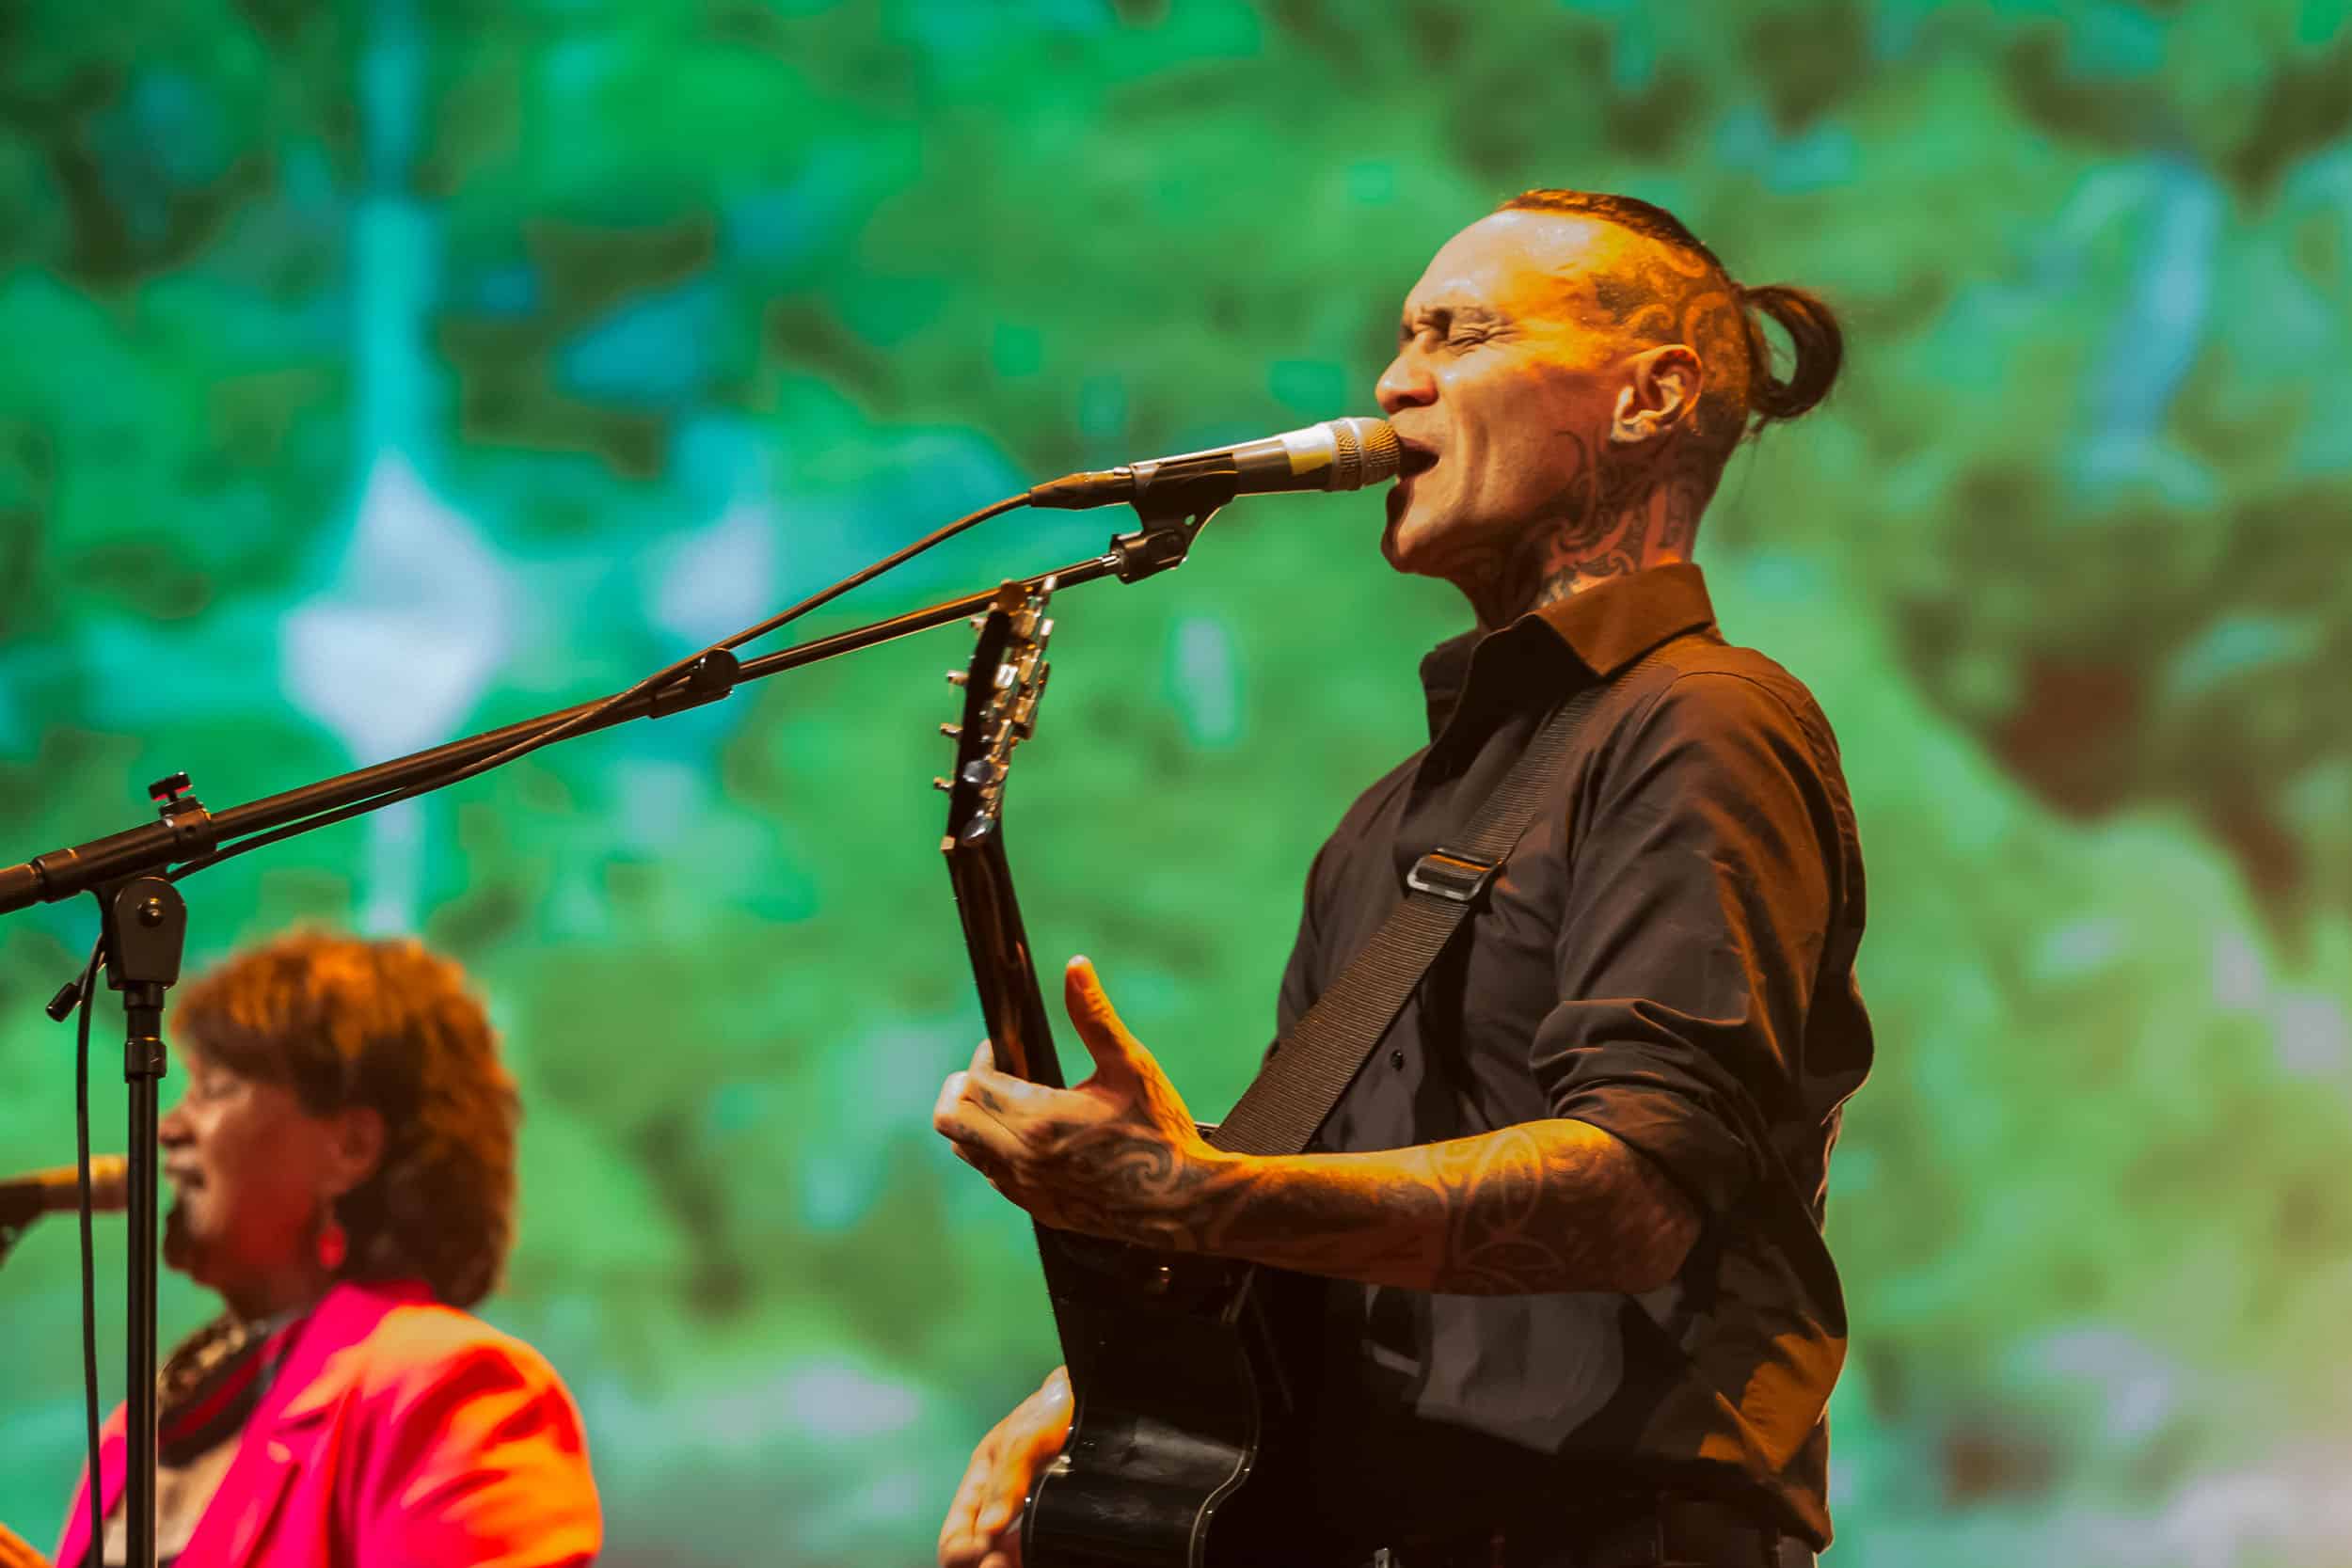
pixel 345 1022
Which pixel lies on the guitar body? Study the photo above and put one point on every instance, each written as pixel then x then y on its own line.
pixel 1192 1377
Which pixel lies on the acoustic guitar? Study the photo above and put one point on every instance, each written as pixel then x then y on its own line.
pixel 1192 1375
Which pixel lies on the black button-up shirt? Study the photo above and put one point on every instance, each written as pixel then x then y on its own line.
pixel 1667 956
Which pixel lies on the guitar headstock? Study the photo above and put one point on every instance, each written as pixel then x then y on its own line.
pixel 1001 688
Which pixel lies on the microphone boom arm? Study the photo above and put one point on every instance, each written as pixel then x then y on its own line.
pixel 1171 515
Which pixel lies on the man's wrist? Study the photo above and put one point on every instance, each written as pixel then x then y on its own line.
pixel 1215 1187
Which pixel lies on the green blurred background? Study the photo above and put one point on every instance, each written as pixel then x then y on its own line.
pixel 381 371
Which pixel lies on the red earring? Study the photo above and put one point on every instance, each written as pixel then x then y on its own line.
pixel 333 1244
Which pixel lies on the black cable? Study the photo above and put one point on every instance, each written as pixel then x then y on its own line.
pixel 89 1258
pixel 292 829
pixel 859 579
pixel 662 677
pixel 587 720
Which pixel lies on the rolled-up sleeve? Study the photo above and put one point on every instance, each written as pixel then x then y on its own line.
pixel 1702 891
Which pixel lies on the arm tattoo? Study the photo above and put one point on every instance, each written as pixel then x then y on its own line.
pixel 1545 1205
pixel 1116 1183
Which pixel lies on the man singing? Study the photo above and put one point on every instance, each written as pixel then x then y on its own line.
pixel 1582 1314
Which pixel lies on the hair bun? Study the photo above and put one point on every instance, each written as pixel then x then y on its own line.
pixel 1813 332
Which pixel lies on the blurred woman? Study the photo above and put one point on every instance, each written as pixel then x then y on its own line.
pixel 342 1163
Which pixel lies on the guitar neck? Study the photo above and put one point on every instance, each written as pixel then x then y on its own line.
pixel 1011 1003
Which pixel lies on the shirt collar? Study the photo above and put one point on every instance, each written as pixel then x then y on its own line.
pixel 1603 629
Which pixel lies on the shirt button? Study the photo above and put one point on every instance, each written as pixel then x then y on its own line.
pixel 1396 1059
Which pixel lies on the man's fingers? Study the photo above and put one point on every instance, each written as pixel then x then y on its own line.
pixel 1106 1039
pixel 1017 1465
pixel 1000 1094
pixel 979 1137
pixel 1015 1468
pixel 961 1542
pixel 981 1093
pixel 982 1529
pixel 999 1175
pixel 965 1120
pixel 950 1096
pixel 986 1505
pixel 1010 1100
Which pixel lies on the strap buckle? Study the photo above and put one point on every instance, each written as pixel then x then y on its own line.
pixel 1453 876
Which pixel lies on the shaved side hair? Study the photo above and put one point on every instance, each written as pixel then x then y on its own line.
pixel 1678 291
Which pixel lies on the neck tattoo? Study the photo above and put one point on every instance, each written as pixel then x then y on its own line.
pixel 1611 518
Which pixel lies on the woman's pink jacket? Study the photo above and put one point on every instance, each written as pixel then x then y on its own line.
pixel 399 1433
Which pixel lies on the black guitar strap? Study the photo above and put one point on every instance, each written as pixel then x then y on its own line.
pixel 1312 1067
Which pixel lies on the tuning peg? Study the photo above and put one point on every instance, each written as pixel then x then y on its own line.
pixel 977 621
pixel 957 677
pixel 941 786
pixel 953 731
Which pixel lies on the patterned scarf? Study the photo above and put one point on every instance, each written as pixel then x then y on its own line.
pixel 212 1383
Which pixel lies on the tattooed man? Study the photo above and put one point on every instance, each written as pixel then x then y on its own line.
pixel 1583 1315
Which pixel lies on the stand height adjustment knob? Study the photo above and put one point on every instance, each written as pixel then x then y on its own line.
pixel 165 792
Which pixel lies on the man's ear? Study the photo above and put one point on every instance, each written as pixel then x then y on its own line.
pixel 1661 393
pixel 355 1147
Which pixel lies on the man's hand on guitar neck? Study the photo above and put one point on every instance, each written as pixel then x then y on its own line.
pixel 983 1527
pixel 1116 1156
pixel 1554 1205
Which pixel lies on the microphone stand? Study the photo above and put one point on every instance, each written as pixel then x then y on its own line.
pixel 143 919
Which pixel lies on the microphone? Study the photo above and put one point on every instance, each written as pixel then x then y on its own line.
pixel 25 1198
pixel 1337 454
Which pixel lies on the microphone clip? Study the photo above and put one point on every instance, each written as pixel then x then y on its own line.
pixel 1179 502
